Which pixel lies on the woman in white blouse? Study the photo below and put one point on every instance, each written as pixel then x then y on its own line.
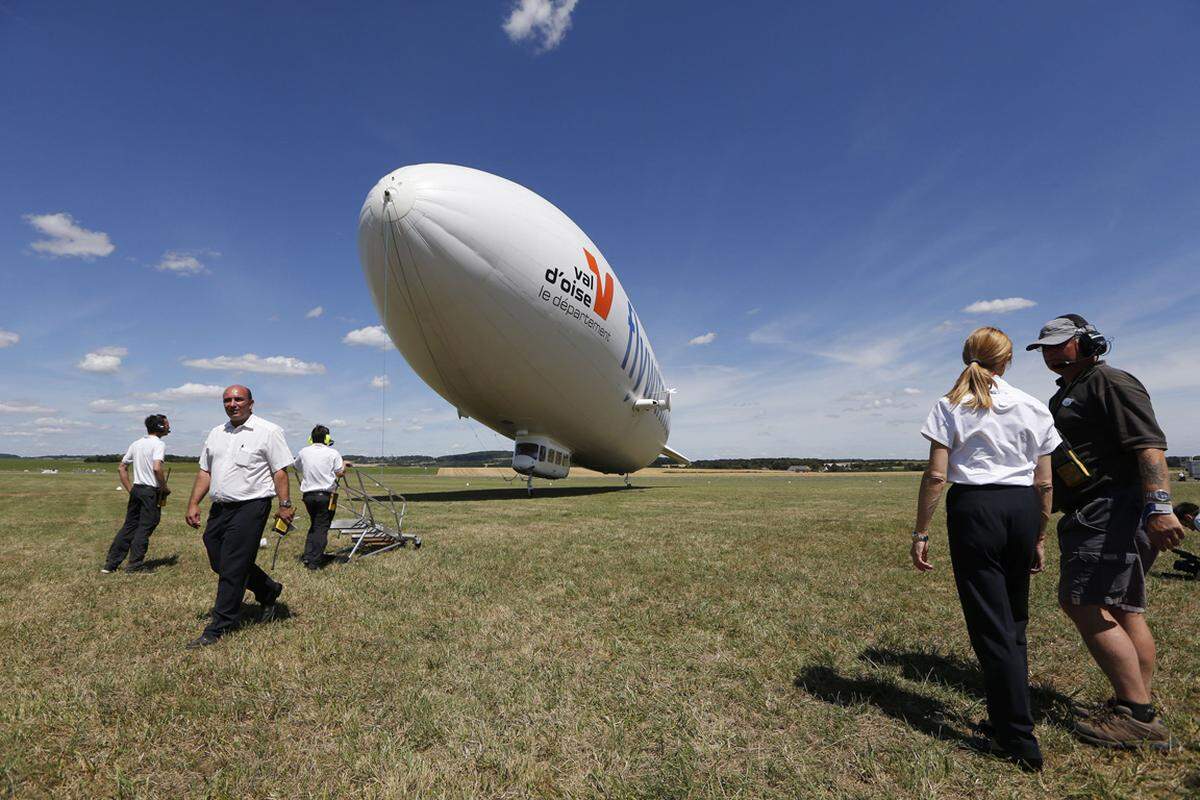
pixel 993 443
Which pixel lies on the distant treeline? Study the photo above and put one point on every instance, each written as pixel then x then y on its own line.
pixel 814 464
pixel 112 458
pixel 482 458
pixel 503 458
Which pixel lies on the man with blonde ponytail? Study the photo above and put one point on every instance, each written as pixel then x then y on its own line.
pixel 1112 485
pixel 993 443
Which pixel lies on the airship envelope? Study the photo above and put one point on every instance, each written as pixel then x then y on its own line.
pixel 513 315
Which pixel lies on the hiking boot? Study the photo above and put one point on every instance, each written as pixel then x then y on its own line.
pixel 1115 726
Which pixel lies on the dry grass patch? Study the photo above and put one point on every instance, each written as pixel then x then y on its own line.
pixel 728 636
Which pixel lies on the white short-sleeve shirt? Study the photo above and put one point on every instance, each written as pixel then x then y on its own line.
pixel 318 465
pixel 142 454
pixel 998 445
pixel 242 459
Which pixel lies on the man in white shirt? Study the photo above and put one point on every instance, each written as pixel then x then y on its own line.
pixel 319 466
pixel 243 465
pixel 142 512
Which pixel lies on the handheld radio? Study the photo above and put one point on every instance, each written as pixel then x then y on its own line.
pixel 163 490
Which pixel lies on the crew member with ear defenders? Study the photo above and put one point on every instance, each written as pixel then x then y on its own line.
pixel 142 512
pixel 1112 485
pixel 319 466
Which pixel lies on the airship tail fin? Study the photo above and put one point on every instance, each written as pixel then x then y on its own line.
pixel 676 456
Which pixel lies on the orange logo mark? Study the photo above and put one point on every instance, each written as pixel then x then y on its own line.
pixel 604 288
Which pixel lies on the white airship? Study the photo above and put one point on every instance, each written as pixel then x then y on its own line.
pixel 511 313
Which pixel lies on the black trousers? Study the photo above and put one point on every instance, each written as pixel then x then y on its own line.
pixel 993 533
pixel 319 518
pixel 141 518
pixel 231 537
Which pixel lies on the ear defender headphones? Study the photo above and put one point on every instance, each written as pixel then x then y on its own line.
pixel 1092 343
pixel 320 435
pixel 157 423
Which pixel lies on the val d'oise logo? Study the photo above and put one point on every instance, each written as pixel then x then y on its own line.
pixel 583 285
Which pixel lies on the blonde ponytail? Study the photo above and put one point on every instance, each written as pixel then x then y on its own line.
pixel 986 353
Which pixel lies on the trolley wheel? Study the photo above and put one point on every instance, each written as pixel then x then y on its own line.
pixel 417 543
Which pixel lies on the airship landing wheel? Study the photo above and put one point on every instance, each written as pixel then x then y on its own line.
pixel 529 485
pixel 628 483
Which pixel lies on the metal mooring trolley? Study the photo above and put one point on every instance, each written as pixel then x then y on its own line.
pixel 375 523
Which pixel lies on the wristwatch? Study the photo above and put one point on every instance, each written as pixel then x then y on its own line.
pixel 1158 496
pixel 920 537
pixel 285 503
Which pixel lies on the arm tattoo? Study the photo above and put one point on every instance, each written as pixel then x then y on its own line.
pixel 1152 464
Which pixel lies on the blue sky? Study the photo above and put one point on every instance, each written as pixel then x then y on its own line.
pixel 814 195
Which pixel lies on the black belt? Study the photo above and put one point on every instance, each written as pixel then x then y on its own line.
pixel 315 492
pixel 959 488
pixel 269 498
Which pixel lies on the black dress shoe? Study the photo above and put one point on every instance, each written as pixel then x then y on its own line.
pixel 203 640
pixel 269 610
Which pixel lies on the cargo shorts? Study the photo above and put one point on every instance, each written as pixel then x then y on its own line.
pixel 1105 553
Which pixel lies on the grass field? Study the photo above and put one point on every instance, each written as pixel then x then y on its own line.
pixel 692 637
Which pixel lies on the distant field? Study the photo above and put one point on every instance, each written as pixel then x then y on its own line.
pixel 724 636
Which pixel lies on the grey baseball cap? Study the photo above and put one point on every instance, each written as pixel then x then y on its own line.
pixel 1057 331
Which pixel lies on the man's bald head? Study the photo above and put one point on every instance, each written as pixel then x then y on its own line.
pixel 239 403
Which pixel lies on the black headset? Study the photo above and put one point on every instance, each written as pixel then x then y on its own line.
pixel 156 423
pixel 1092 343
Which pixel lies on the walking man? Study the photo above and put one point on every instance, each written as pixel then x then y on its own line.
pixel 142 512
pixel 1111 483
pixel 243 465
pixel 319 466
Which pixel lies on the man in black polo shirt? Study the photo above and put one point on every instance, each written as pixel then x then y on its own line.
pixel 1111 483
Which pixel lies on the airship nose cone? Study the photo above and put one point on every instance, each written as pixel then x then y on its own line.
pixel 390 200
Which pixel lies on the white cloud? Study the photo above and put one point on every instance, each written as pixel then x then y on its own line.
pixel 380 382
pixel 188 391
pixel 706 338
pixel 271 365
pixel 771 333
pixel 372 336
pixel 338 422
pixel 181 263
pixel 1000 306
pixel 106 359
pixel 543 21
pixel 910 390
pixel 68 239
pixel 313 313
pixel 8 338
pixel 60 423
pixel 23 408
pixel 865 355
pixel 104 406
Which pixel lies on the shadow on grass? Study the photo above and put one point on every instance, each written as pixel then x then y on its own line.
pixel 152 564
pixel 255 614
pixel 519 494
pixel 1173 576
pixel 925 714
pixel 1049 706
